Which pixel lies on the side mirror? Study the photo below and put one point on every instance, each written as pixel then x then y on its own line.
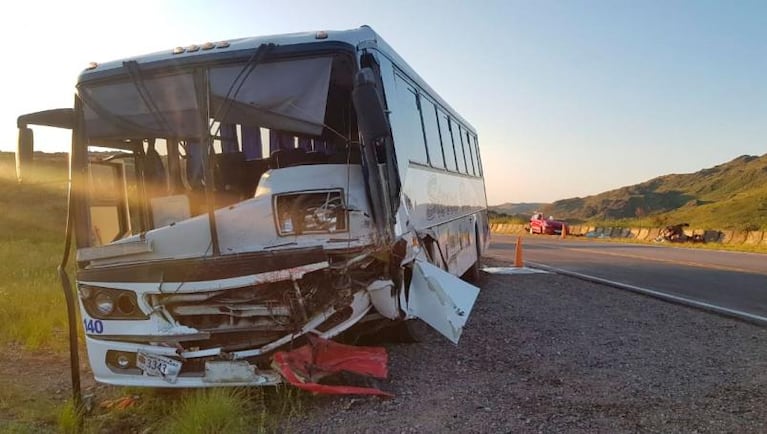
pixel 59 118
pixel 371 115
pixel 24 152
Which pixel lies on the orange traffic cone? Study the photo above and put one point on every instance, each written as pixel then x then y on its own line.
pixel 518 253
pixel 564 231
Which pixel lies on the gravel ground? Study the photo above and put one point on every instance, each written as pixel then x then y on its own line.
pixel 548 353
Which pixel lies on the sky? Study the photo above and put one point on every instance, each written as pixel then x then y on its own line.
pixel 569 98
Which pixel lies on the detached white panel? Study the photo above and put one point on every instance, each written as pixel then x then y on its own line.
pixel 441 299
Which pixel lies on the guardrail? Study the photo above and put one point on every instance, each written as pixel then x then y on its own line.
pixel 746 238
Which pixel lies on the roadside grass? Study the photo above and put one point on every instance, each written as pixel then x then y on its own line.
pixel 32 225
pixel 25 412
pixel 715 217
pixel 32 312
pixel 214 410
pixel 704 246
pixel 12 427
pixel 32 308
pixel 68 419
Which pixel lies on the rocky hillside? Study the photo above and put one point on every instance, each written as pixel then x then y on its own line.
pixel 730 195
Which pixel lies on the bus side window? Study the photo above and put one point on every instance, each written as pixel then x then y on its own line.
pixel 431 134
pixel 194 164
pixel 107 202
pixel 154 171
pixel 470 153
pixel 461 151
pixel 447 142
pixel 229 175
pixel 406 123
pixel 479 159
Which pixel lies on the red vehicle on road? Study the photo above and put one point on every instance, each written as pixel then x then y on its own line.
pixel 542 225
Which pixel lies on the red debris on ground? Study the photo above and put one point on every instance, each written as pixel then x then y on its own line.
pixel 306 365
pixel 120 403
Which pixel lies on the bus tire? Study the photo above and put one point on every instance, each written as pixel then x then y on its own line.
pixel 416 331
pixel 472 275
pixel 386 331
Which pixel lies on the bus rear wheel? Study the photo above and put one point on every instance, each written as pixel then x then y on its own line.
pixel 472 275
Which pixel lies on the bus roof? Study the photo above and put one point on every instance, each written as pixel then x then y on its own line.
pixel 199 52
pixel 231 48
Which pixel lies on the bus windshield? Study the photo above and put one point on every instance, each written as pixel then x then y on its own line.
pixel 287 95
pixel 159 139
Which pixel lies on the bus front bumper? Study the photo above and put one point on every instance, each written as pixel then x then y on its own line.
pixel 130 364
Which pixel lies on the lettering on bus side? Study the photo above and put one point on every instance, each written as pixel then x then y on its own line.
pixel 438 197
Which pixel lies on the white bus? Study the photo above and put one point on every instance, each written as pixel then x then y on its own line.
pixel 230 198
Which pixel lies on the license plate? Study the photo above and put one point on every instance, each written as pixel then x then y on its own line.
pixel 158 366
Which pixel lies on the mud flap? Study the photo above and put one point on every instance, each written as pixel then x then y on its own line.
pixel 440 299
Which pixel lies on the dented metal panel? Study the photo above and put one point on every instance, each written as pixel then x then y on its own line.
pixel 114 250
pixel 221 372
pixel 440 299
pixel 237 310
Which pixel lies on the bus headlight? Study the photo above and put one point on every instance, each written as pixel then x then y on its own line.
pixel 104 304
pixel 108 303
pixel 311 212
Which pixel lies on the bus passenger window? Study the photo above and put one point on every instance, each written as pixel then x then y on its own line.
pixel 228 134
pixel 252 144
pixel 194 164
pixel 280 140
pixel 431 133
pixel 153 170
pixel 451 162
pixel 461 151
pixel 406 122
pixel 470 154
pixel 476 151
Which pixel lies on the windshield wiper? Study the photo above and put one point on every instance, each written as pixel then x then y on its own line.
pixel 239 81
pixel 134 72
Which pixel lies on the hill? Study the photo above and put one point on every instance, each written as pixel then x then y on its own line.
pixel 517 208
pixel 732 195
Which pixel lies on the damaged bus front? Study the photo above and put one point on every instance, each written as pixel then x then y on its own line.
pixel 232 199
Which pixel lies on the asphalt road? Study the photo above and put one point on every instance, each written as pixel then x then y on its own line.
pixel 731 280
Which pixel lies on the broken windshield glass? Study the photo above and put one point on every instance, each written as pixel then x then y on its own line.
pixel 118 110
pixel 289 95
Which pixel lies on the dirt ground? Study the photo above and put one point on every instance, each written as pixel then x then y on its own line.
pixel 541 353
pixel 547 353
pixel 34 385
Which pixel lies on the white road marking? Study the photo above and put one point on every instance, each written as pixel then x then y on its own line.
pixel 513 270
pixel 657 294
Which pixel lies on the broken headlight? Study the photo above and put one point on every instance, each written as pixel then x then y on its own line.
pixel 108 303
pixel 315 212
